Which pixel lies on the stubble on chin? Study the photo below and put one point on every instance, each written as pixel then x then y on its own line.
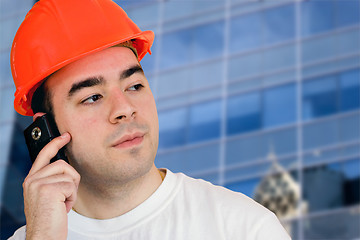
pixel 109 171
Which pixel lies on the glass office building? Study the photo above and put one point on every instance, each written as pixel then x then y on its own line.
pixel 237 81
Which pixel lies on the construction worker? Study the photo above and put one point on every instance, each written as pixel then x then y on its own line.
pixel 79 61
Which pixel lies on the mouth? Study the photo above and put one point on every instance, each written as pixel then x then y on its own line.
pixel 129 141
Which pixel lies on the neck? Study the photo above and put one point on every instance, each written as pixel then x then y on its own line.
pixel 109 202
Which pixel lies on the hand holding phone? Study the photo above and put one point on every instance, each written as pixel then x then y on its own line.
pixel 40 133
pixel 50 190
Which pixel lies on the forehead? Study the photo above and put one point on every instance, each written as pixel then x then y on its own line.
pixel 114 59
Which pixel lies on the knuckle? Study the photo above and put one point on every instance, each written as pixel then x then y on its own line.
pixel 60 163
pixel 68 187
pixel 45 189
pixel 26 182
pixel 33 185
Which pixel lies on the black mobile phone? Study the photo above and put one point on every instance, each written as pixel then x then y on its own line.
pixel 40 133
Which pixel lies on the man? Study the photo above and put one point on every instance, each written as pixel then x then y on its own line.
pixel 80 61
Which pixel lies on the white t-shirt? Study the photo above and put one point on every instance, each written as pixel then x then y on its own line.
pixel 182 208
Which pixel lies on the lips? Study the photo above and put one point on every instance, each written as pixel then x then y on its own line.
pixel 129 140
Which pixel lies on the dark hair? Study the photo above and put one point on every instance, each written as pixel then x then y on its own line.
pixel 41 100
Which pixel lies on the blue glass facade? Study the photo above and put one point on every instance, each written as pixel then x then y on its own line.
pixel 234 81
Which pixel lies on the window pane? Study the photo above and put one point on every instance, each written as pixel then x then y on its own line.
pixel 5 72
pixel 177 9
pixel 316 190
pixel 350 90
pixel 172 128
pixel 176 48
pixel 190 160
pixel 246 187
pixel 6 130
pixel 143 14
pixel 339 224
pixel 310 71
pixel 211 176
pixel 279 24
pixel 205 94
pixel 248 171
pixel 243 113
pixel 201 5
pixel 245 149
pixel 317 16
pixel 259 146
pixel 279 58
pixel 172 102
pixel 319 97
pixel 172 83
pixel 12 201
pixel 245 32
pixel 352 169
pixel 19 155
pixel 320 134
pixel 8 26
pixel 205 121
pixel 245 66
pixel 208 41
pixel 279 105
pixel 320 48
pixel 348 43
pixel 349 128
pixel 206 75
pixel 347 12
pixel 7 112
pixel 333 131
pixel 244 85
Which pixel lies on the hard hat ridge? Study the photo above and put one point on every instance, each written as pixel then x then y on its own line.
pixel 55 33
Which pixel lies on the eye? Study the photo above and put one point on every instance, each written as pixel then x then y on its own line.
pixel 136 87
pixel 91 99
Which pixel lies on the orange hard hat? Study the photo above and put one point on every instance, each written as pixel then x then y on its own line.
pixel 55 33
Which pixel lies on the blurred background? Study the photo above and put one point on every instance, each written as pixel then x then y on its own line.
pixel 260 96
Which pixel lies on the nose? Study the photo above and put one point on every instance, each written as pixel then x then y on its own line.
pixel 122 108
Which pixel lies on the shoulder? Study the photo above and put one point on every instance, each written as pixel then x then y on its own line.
pixel 19 234
pixel 239 213
pixel 220 196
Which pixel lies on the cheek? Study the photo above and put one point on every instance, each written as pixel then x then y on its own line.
pixel 68 119
pixel 85 126
pixel 149 107
pixel 84 133
pixel 81 128
pixel 152 117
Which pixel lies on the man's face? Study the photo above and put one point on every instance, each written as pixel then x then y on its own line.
pixel 104 101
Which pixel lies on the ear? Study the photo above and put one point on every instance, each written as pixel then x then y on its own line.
pixel 39 114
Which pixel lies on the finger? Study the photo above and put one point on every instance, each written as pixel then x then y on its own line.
pixel 43 185
pixel 56 188
pixel 49 151
pixel 59 167
pixel 56 192
pixel 68 190
pixel 33 186
pixel 37 115
pixel 70 200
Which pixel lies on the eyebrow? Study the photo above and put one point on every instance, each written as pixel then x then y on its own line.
pixel 130 71
pixel 95 81
pixel 89 82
